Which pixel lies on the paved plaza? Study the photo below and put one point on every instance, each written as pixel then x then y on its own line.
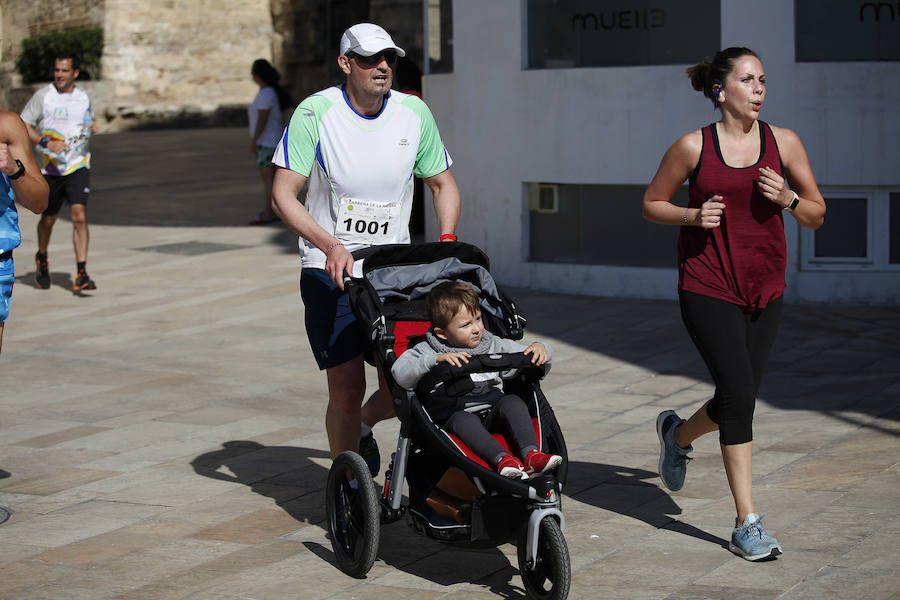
pixel 164 435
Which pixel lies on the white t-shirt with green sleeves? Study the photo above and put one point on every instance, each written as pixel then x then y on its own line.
pixel 360 168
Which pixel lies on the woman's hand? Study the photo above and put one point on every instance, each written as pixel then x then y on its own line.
pixel 454 358
pixel 771 185
pixel 711 213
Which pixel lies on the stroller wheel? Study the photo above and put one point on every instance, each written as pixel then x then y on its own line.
pixel 353 515
pixel 549 578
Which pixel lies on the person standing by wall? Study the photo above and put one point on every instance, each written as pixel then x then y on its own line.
pixel 20 181
pixel 266 119
pixel 359 144
pixel 61 122
pixel 744 176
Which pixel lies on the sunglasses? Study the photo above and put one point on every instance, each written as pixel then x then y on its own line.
pixel 370 61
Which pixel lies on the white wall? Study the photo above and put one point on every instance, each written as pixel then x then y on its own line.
pixel 504 125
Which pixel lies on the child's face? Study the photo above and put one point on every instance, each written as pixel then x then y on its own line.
pixel 464 330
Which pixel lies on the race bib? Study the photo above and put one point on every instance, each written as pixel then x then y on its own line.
pixel 367 222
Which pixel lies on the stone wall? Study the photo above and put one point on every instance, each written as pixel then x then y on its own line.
pixel 167 58
pixel 171 62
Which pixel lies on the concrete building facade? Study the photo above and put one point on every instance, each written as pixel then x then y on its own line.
pixel 552 156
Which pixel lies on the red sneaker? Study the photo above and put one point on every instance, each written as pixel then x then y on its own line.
pixel 538 463
pixel 510 466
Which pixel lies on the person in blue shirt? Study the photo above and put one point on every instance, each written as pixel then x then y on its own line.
pixel 20 181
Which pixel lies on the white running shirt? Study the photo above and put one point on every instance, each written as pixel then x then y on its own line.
pixel 360 169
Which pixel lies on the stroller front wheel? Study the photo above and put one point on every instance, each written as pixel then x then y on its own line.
pixel 550 577
pixel 351 502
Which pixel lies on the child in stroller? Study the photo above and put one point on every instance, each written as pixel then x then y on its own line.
pixel 457 333
pixel 454 495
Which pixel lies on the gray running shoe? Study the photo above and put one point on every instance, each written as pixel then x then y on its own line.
pixel 672 458
pixel 751 541
pixel 368 449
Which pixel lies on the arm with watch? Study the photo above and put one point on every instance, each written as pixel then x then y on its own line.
pixel 18 164
pixel 802 199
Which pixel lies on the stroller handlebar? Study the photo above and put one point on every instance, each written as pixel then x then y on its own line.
pixel 456 381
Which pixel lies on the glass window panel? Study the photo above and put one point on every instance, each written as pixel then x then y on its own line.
pixel 598 225
pixel 845 232
pixel 839 30
pixel 594 33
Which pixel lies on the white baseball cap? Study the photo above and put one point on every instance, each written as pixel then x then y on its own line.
pixel 367 39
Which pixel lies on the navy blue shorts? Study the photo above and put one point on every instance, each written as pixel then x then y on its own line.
pixel 334 335
pixel 73 188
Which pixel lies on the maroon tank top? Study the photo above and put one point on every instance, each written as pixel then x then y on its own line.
pixel 742 261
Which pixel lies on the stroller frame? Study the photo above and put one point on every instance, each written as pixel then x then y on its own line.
pixel 543 556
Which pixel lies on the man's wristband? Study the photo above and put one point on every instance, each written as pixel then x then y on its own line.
pixel 332 247
pixel 448 237
pixel 44 141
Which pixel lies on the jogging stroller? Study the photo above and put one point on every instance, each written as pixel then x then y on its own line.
pixel 454 496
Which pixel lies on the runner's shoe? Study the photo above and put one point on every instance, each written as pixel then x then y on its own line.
pixel 538 463
pixel 673 458
pixel 83 282
pixel 751 541
pixel 41 272
pixel 368 449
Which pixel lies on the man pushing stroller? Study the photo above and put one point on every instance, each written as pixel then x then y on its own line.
pixel 458 333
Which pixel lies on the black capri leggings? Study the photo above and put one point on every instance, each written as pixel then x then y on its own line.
pixel 735 347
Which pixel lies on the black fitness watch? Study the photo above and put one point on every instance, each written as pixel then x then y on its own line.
pixel 18 173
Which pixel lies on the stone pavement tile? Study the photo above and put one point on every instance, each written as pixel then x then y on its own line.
pixel 34 428
pixel 833 582
pixel 51 439
pixel 685 402
pixel 723 592
pixel 164 487
pixel 676 559
pixel 778 575
pixel 770 461
pixel 836 528
pixel 146 566
pixel 864 444
pixel 878 552
pixel 50 483
pixel 229 567
pixel 152 455
pixel 210 415
pixel 644 413
pixel 580 427
pixel 580 392
pixel 13 553
pixel 825 473
pixel 252 528
pixel 304 574
pixel 19 577
pixel 783 507
pixel 661 385
pixel 882 489
pixel 41 505
pixel 75 522
pixel 103 548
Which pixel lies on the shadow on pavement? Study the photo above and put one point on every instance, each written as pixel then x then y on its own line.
pixel 622 490
pixel 296 484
